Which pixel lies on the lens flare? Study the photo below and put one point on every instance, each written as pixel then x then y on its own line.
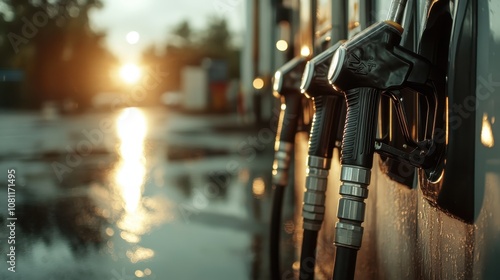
pixel 132 37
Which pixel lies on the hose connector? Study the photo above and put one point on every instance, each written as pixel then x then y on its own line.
pixel 351 209
pixel 313 210
pixel 281 164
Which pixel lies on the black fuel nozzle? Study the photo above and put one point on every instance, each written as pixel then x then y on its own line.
pixel 363 68
pixel 315 78
pixel 353 72
pixel 327 108
pixel 327 119
pixel 286 87
pixel 374 59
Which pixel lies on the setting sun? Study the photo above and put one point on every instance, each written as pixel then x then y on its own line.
pixel 130 73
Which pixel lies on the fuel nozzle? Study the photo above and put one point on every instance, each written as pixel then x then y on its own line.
pixel 362 68
pixel 323 136
pixel 286 88
pixel 327 108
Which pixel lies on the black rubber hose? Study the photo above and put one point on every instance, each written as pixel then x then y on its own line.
pixel 345 263
pixel 308 255
pixel 286 130
pixel 277 207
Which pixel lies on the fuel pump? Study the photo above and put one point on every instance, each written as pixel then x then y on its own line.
pixel 368 65
pixel 286 88
pixel 328 118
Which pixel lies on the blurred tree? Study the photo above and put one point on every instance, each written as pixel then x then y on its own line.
pixel 217 38
pixel 183 49
pixel 53 43
pixel 183 33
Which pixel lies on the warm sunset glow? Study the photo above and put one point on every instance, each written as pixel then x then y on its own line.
pixel 130 175
pixel 138 213
pixel 131 126
pixel 130 73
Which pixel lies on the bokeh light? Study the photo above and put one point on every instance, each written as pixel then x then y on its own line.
pixel 282 45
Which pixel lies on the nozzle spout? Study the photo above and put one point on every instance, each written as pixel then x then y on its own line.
pixel 397 10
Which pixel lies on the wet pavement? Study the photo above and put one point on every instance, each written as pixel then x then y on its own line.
pixel 135 194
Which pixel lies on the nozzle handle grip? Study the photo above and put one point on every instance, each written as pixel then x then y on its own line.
pixel 324 126
pixel 360 127
pixel 289 117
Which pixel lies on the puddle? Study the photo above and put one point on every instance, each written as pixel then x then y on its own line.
pixel 139 213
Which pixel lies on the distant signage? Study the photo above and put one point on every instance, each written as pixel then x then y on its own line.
pixel 8 75
pixel 217 70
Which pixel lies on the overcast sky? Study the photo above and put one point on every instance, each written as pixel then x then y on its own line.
pixel 154 19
